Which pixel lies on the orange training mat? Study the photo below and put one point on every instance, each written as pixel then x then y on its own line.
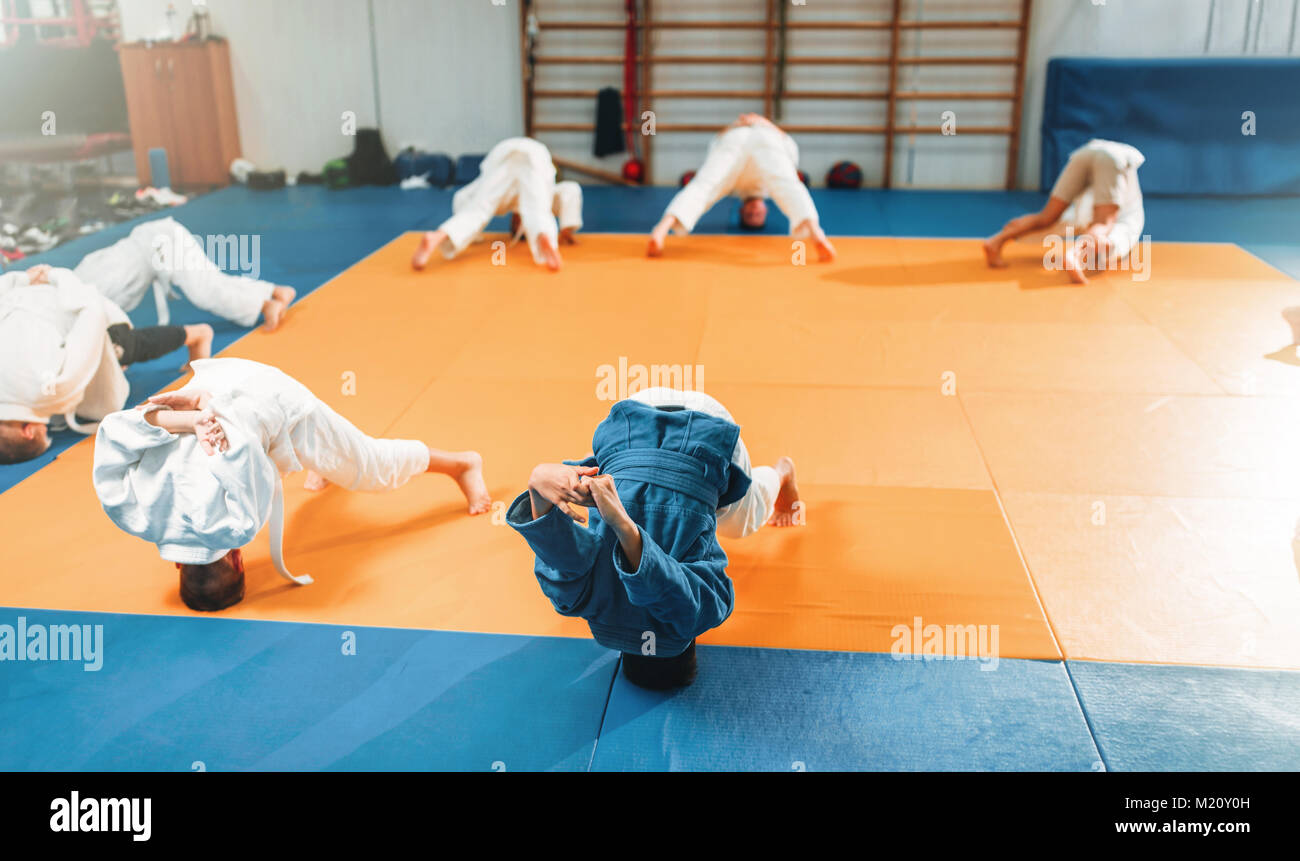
pixel 951 423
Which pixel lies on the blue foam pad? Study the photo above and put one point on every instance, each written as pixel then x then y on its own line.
pixel 1282 257
pixel 1185 115
pixel 1173 718
pixel 236 695
pixel 435 167
pixel 467 167
pixel 788 710
pixel 949 214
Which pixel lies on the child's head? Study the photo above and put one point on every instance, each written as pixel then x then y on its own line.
pixel 753 213
pixel 214 586
pixel 660 674
pixel 22 441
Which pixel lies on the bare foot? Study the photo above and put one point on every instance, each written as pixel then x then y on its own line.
pixel 199 342
pixel 428 244
pixel 273 309
pixel 315 481
pixel 550 256
pixel 470 479
pixel 657 238
pixel 1073 268
pixel 788 511
pixel 568 237
pixel 656 246
pixel 993 253
pixel 825 251
pixel 1292 317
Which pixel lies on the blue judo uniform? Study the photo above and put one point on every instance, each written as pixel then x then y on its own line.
pixel 673 471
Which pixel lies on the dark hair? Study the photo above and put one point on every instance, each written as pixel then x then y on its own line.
pixel 740 215
pixel 214 586
pixel 18 448
pixel 660 674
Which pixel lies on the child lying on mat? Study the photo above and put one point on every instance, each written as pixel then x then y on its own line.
pixel 197 471
pixel 667 473
pixel 63 348
pixel 161 254
pixel 516 176
pixel 752 159
pixel 1096 195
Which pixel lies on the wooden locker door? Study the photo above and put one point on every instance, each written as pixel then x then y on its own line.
pixel 148 104
pixel 198 116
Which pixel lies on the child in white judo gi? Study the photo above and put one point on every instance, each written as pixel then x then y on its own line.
pixel 197 471
pixel 517 176
pixel 63 348
pixel 162 254
pixel 751 159
pixel 1097 196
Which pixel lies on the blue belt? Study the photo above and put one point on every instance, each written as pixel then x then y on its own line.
pixel 669 469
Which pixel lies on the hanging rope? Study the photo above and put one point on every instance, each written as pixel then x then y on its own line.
pixel 778 85
pixel 630 116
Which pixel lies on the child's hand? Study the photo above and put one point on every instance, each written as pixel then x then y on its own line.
pixel 186 399
pixel 558 483
pixel 605 495
pixel 39 274
pixel 212 437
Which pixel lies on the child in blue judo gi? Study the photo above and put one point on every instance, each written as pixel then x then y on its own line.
pixel 646 571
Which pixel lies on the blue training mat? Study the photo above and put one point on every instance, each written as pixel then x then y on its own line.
pixel 234 695
pixel 1149 717
pixel 794 710
pixel 1186 118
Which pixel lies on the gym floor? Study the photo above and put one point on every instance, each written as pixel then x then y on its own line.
pixel 1101 475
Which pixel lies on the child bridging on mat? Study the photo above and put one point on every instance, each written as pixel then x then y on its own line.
pixel 63 351
pixel 161 254
pixel 197 471
pixel 752 159
pixel 1097 195
pixel 668 473
pixel 517 176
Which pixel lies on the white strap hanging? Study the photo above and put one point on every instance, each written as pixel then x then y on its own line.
pixel 277 536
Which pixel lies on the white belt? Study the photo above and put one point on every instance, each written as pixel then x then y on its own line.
pixel 277 536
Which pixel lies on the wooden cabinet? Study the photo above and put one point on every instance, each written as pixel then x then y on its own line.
pixel 179 96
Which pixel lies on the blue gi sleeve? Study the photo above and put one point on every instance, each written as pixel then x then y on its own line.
pixel 566 553
pixel 689 597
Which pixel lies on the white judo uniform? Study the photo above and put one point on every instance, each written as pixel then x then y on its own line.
pixel 56 357
pixel 162 254
pixel 747 161
pixel 749 513
pixel 517 175
pixel 1098 173
pixel 197 507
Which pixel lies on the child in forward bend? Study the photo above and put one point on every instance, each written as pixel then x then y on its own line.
pixel 161 254
pixel 64 348
pixel 197 471
pixel 1098 198
pixel 668 473
pixel 517 176
pixel 752 159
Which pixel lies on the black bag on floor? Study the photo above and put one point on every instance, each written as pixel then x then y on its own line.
pixel 609 122
pixel 369 163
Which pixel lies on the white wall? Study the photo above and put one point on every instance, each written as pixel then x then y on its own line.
pixel 449 72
